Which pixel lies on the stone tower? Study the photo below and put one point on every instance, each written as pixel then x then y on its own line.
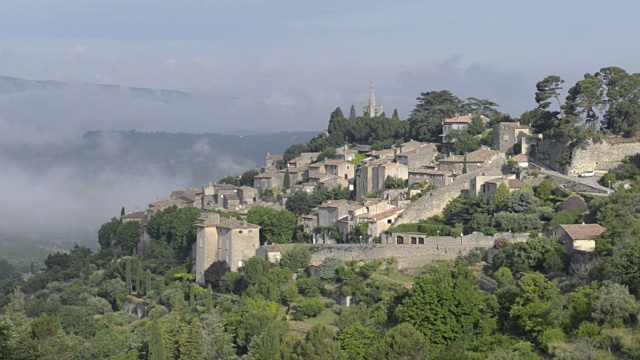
pixel 371 109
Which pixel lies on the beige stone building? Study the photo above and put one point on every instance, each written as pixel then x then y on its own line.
pixel 372 175
pixel 578 237
pixel 488 185
pixel 218 239
pixel 507 134
pixel 267 180
pixel 417 157
pixel 430 176
pixel 475 160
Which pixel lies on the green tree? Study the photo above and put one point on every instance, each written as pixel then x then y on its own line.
pixel 107 233
pixel 277 227
pixel 215 272
pixel 299 203
pixel 443 304
pixel 395 116
pixel 329 266
pixel 246 179
pixel 320 345
pixel 358 342
pixel 190 340
pixel 296 259
pixel 613 305
pixel 544 190
pixel 352 113
pixel 501 196
pixel 308 308
pixel 425 121
pixel 156 346
pixel 401 343
pixel 464 164
pixel 286 183
pixel 229 180
pixel 128 236
pixel 547 89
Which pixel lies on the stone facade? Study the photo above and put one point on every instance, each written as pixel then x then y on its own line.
pixel 432 203
pixel 600 156
pixel 507 134
pixel 230 240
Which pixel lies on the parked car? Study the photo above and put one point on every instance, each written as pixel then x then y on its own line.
pixel 587 174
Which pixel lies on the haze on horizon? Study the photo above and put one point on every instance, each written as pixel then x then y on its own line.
pixel 267 66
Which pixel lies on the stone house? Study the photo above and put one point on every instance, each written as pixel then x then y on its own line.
pixel 164 204
pixel 330 212
pixel 296 175
pixel 330 181
pixel 273 253
pixel 340 168
pixel 310 222
pixel 417 157
pixel 383 154
pixel 475 160
pixel 303 159
pixel 372 175
pixel 578 237
pixel 248 195
pixel 140 216
pixel 316 169
pixel 488 185
pixel 458 123
pixel 429 176
pixel 411 145
pixel 231 201
pixel 275 162
pixel 314 269
pixel 507 134
pixel 267 180
pixel 305 187
pixel 521 160
pixel 382 221
pixel 346 154
pixel 218 239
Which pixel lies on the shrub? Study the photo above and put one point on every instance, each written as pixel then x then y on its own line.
pixel 308 308
pixel 309 287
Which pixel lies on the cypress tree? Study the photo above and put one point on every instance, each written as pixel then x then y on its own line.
pixel 139 278
pixel 464 164
pixel 192 296
pixel 395 115
pixel 209 300
pixel 33 268
pixel 122 212
pixel 127 277
pixel 156 346
pixel 286 182
pixel 352 113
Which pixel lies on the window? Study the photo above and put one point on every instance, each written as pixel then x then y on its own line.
pixel 413 240
pixel 421 241
pixel 227 246
pixel 240 263
pixel 200 242
pixel 389 221
pixel 240 232
pixel 400 240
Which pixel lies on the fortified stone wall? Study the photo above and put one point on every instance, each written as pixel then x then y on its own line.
pixel 434 202
pixel 601 155
pixel 546 152
pixel 409 256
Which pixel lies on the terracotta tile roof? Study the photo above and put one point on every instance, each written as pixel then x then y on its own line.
pixel 237 224
pixel 136 215
pixel 583 231
pixel 315 263
pixel 515 184
pixel 482 155
pixel 459 120
pixel 334 204
pixel 384 214
pixel 520 158
pixel 429 172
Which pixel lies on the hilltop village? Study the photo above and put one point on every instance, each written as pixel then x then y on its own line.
pixel 365 202
pixel 458 233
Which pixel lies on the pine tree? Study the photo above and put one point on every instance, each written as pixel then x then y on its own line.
pixel 286 183
pixel 156 346
pixel 190 342
pixel 352 113
pixel 122 212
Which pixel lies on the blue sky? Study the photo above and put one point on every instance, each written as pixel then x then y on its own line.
pixel 291 62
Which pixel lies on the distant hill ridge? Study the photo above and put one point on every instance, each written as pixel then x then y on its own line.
pixel 13 85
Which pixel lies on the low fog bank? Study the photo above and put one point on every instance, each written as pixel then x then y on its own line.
pixel 59 182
